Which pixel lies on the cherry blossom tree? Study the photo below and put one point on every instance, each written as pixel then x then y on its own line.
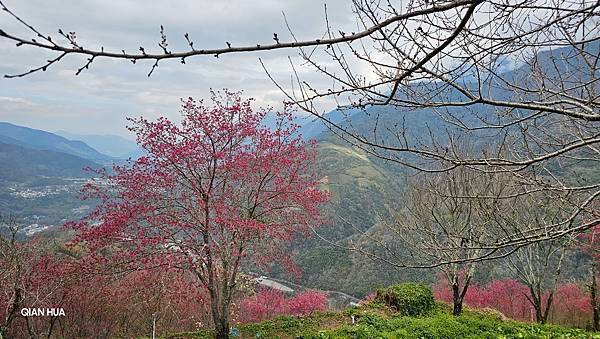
pixel 268 303
pixel 128 305
pixel 31 276
pixel 508 296
pixel 265 304
pixel 571 306
pixel 306 302
pixel 512 298
pixel 212 193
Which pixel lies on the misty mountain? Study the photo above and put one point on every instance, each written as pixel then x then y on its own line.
pixel 381 123
pixel 315 128
pixel 42 140
pixel 112 145
pixel 21 164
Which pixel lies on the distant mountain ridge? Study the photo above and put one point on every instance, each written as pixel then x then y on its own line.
pixel 112 145
pixel 21 164
pixel 42 140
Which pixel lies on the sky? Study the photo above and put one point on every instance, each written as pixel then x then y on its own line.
pixel 100 98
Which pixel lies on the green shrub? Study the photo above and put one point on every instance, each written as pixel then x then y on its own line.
pixel 411 299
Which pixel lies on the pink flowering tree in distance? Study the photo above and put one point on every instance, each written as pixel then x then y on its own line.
pixel 215 192
pixel 269 303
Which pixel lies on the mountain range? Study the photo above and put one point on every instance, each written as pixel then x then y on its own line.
pixel 364 188
pixel 46 141
pixel 112 145
pixel 22 164
pixel 28 154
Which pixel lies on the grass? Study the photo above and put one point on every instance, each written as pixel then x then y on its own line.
pixel 347 151
pixel 374 320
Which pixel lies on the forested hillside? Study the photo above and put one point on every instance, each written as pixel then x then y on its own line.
pixel 367 189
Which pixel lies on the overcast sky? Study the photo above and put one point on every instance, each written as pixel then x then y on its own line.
pixel 98 100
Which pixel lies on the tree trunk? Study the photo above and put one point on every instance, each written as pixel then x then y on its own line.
pixel 594 300
pixel 458 295
pixel 220 319
pixel 457 300
pixel 222 328
pixel 548 307
pixel 222 324
pixel 541 315
pixel 539 318
pixel 220 310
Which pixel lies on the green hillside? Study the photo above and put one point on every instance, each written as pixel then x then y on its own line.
pixel 373 320
pixel 363 190
pixel 21 164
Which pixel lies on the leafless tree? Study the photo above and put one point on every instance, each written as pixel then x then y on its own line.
pixel 538 265
pixel 417 77
pixel 441 222
pixel 448 219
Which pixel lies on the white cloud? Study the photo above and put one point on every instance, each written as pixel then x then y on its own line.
pixel 13 100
